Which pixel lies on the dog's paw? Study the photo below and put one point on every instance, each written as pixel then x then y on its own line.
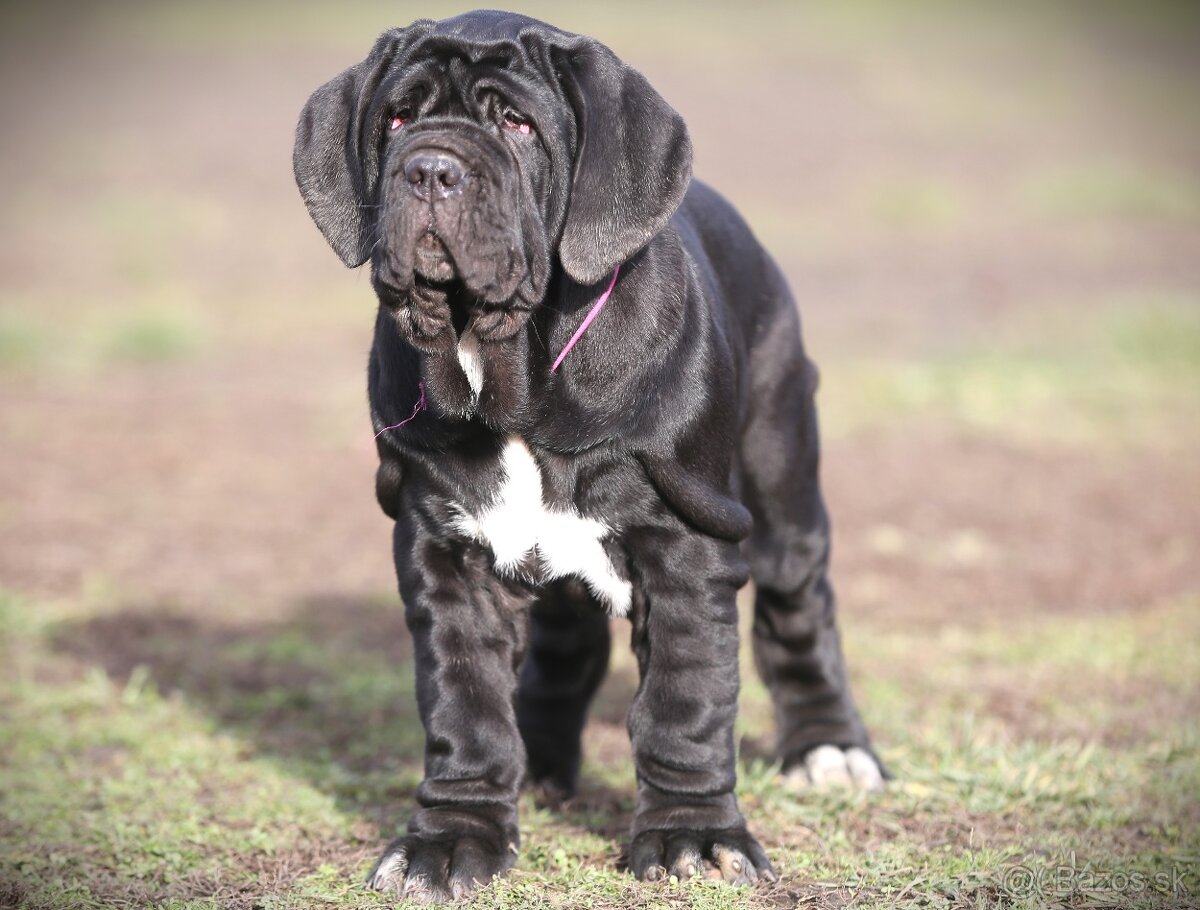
pixel 832 766
pixel 730 854
pixel 433 872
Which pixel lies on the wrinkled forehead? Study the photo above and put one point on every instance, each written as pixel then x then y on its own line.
pixel 488 39
pixel 455 67
pixel 491 26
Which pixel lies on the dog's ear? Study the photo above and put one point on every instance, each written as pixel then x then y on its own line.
pixel 336 155
pixel 633 161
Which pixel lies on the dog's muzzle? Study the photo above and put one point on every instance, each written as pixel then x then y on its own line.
pixel 434 176
pixel 452 213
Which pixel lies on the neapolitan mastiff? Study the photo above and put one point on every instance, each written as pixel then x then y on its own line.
pixel 592 401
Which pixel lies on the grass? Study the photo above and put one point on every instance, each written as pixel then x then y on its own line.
pixel 21 340
pixel 916 204
pixel 154 758
pixel 217 754
pixel 92 339
pixel 1125 373
pixel 150 336
pixel 1106 189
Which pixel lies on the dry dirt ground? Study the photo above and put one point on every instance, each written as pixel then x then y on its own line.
pixel 991 220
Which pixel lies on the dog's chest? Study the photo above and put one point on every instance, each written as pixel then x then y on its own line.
pixel 558 541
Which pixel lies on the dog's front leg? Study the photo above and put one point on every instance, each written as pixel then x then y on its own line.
pixel 685 636
pixel 468 628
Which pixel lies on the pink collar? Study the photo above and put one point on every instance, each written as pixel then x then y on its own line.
pixel 588 319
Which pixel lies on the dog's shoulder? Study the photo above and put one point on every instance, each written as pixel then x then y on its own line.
pixel 713 219
pixel 748 288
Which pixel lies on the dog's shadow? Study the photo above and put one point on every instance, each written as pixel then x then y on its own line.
pixel 325 688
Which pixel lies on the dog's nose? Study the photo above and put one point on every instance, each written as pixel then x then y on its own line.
pixel 434 176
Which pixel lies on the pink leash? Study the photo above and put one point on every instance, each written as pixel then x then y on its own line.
pixel 587 320
pixel 417 409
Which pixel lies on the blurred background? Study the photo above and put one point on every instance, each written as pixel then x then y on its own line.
pixel 990 217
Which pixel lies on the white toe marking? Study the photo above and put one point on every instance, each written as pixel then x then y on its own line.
pixel 518 522
pixel 831 766
pixel 392 865
pixel 827 767
pixel 864 769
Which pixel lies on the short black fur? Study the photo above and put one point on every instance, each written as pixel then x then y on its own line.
pixel 683 420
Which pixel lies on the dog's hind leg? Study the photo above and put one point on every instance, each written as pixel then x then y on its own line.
pixel 797 649
pixel 564 665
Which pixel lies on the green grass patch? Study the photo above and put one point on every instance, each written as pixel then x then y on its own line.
pixel 150 336
pixel 162 758
pixel 159 328
pixel 1114 679
pixel 22 341
pixel 1126 373
pixel 1113 190
pixel 915 204
pixel 115 792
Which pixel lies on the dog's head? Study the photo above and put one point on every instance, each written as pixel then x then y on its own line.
pixel 474 154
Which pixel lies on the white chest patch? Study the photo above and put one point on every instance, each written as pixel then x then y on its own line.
pixel 517 524
pixel 468 358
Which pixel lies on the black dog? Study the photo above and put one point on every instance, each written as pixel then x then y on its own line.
pixel 506 180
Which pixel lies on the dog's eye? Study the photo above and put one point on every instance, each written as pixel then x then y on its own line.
pixel 515 120
pixel 400 118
